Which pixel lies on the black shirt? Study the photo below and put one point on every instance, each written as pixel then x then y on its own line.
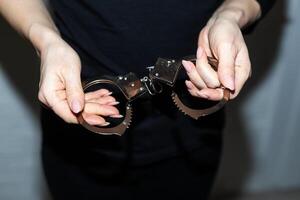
pixel 119 36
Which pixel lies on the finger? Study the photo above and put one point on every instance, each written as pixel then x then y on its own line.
pixel 61 94
pixel 62 109
pixel 104 100
pixel 43 99
pixel 226 73
pixel 242 71
pixel 110 103
pixel 56 100
pixel 193 74
pixel 98 109
pixel 113 103
pixel 206 93
pixel 206 72
pixel 204 42
pixel 97 94
pixel 75 95
pixel 94 119
pixel 212 94
pixel 192 88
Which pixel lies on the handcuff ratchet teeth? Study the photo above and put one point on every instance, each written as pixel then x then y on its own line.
pixel 165 71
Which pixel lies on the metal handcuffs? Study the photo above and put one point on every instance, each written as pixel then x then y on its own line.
pixel 165 71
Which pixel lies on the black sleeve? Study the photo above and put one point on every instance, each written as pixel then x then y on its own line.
pixel 265 6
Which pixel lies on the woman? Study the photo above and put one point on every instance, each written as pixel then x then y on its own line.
pixel 163 154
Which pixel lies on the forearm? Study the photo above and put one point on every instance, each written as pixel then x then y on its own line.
pixel 31 19
pixel 243 12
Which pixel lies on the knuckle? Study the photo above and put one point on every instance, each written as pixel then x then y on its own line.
pixel 44 91
pixel 214 84
pixel 41 97
pixel 47 97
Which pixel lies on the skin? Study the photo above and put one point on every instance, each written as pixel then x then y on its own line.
pixel 60 86
pixel 222 39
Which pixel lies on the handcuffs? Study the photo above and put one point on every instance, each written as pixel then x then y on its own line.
pixel 164 72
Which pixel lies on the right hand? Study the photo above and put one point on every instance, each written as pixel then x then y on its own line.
pixel 60 87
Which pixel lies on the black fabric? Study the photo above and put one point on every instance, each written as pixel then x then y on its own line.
pixel 115 37
pixel 118 36
pixel 265 6
pixel 157 132
pixel 177 159
pixel 186 176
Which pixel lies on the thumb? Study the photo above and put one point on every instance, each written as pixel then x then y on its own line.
pixel 226 68
pixel 74 91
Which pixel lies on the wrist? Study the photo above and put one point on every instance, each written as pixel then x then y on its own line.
pixel 42 36
pixel 242 13
pixel 233 15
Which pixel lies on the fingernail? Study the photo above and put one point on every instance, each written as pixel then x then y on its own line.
pixel 199 52
pixel 105 124
pixel 76 107
pixel 203 95
pixel 113 103
pixel 109 93
pixel 186 65
pixel 117 116
pixel 230 84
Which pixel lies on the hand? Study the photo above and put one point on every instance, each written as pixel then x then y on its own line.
pixel 100 103
pixel 220 38
pixel 60 86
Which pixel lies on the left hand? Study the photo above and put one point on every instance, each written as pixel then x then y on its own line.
pixel 222 39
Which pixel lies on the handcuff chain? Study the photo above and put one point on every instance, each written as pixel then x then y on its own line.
pixel 148 82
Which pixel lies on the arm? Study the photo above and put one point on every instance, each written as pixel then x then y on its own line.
pixel 31 19
pixel 60 84
pixel 222 38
